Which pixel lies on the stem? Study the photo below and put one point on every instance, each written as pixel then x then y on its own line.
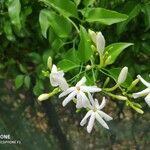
pixel 112 88
pixel 73 24
pixel 93 73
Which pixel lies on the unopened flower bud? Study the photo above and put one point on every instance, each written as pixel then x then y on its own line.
pixel 88 67
pixel 92 35
pixel 49 62
pixel 121 97
pixel 123 75
pixel 43 97
pixel 100 43
pixel 133 84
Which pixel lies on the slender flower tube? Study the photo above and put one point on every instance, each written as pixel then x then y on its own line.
pixel 95 113
pixel 78 92
pixel 145 92
pixel 123 75
pixel 57 78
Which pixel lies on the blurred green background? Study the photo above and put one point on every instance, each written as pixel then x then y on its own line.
pixel 23 56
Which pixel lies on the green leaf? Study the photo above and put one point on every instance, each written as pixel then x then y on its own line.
pixel 114 73
pixel 65 7
pixel 8 31
pixel 84 49
pixel 72 55
pixel 38 88
pixel 146 10
pixel 67 65
pixel 61 26
pixel 44 22
pixel 14 8
pixel 35 57
pixel 115 49
pixel 88 2
pixel 77 2
pixel 27 81
pixel 103 16
pixel 23 69
pixel 19 81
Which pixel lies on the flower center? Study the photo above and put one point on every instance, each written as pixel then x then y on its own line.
pixel 78 88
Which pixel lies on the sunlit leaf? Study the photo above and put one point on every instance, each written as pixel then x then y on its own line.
pixel 84 49
pixel 14 8
pixel 103 16
pixel 115 49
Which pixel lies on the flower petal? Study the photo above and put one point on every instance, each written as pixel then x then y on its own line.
pixel 54 69
pixel 101 121
pixel 63 84
pixel 53 79
pixel 85 101
pixel 67 92
pixel 141 93
pixel 69 98
pixel 104 115
pixel 79 101
pixel 84 120
pixel 143 81
pixel 92 35
pixel 91 89
pixel 100 42
pixel 91 99
pixel 82 81
pixel 147 99
pixel 103 103
pixel 91 123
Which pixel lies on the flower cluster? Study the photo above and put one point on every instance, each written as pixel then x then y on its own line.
pixel 82 94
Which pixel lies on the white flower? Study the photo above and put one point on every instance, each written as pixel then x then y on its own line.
pixel 100 43
pixel 145 92
pixel 95 113
pixel 57 78
pixel 43 97
pixel 78 92
pixel 123 75
pixel 99 40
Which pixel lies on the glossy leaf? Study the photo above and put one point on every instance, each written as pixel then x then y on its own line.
pixel 67 65
pixel 84 49
pixel 103 16
pixel 65 7
pixel 72 55
pixel 60 25
pixel 19 81
pixel 8 31
pixel 14 8
pixel 115 49
pixel 27 81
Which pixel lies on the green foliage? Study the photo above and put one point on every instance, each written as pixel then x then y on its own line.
pixel 84 49
pixel 19 81
pixel 115 49
pixel 103 16
pixel 14 9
